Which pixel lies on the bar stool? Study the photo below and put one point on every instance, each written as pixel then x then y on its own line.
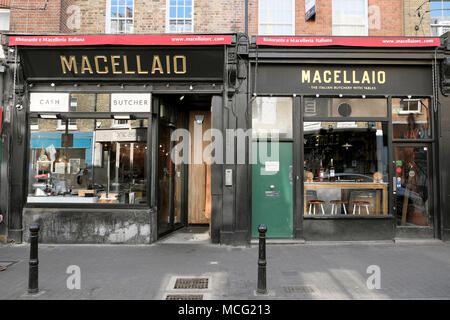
pixel 359 204
pixel 335 204
pixel 314 203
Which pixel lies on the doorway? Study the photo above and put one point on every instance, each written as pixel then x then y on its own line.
pixel 412 189
pixel 184 176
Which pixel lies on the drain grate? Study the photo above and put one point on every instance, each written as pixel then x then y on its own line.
pixel 298 289
pixel 191 283
pixel 184 297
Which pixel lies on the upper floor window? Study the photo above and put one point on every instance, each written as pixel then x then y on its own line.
pixel 439 17
pixel 350 18
pixel 4 19
pixel 180 16
pixel 276 17
pixel 119 16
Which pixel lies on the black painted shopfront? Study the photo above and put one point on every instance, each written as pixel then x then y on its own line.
pixel 93 132
pixel 347 142
pixel 361 133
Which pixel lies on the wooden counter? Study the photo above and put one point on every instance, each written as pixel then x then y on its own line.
pixel 382 191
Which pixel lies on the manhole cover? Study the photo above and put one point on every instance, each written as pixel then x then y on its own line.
pixel 191 283
pixel 298 289
pixel 184 297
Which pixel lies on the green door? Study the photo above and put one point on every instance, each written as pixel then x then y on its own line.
pixel 272 189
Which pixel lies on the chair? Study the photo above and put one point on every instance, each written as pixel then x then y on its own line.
pixel 335 204
pixel 359 204
pixel 314 203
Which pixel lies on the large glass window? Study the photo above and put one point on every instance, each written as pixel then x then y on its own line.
pixel 345 108
pixel 276 17
pixel 345 168
pixel 411 118
pixel 87 160
pixel 412 186
pixel 270 115
pixel 439 17
pixel 120 16
pixel 180 16
pixel 350 18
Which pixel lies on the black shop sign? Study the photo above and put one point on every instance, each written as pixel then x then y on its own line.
pixel 346 80
pixel 136 63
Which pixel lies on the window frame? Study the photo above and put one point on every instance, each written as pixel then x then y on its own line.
pixel 366 20
pixel 168 18
pixel 4 11
pixel 109 19
pixel 292 17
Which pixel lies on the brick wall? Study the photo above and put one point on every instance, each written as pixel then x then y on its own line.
pixel 212 16
pixel 411 18
pixel 35 20
pixel 385 18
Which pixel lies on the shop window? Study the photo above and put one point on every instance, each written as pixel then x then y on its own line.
pixel 88 165
pixel 272 114
pixel 72 123
pixel 84 160
pixel 439 17
pixel 345 168
pixel 276 17
pixel 180 16
pixel 411 118
pixel 120 16
pixel 345 108
pixel 350 18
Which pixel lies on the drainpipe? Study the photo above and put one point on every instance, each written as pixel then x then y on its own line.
pixel 246 17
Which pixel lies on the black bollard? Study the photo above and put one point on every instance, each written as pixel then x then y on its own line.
pixel 262 288
pixel 33 282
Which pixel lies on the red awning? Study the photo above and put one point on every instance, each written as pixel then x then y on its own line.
pixel 317 41
pixel 137 40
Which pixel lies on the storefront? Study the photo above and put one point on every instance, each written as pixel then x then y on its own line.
pixel 359 126
pixel 100 114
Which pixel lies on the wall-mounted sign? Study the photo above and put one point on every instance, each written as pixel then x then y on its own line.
pixel 310 9
pixel 345 80
pixel 49 102
pixel 135 63
pixel 134 135
pixel 131 102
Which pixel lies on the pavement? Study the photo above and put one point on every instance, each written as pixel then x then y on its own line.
pixel 407 270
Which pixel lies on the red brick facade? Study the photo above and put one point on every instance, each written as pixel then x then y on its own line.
pixel 210 16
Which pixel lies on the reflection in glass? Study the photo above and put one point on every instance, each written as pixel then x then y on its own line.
pixel 411 118
pixel 345 168
pixel 92 164
pixel 345 107
pixel 411 178
pixel 272 113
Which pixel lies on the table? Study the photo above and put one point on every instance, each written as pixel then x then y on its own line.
pixel 381 187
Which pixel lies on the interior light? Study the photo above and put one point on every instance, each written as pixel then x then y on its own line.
pixel 199 118
pixel 181 98
pixel 122 117
pixel 48 116
pixel 52 84
pixel 317 95
pixel 191 87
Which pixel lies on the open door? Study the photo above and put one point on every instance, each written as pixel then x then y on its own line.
pixel 199 176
